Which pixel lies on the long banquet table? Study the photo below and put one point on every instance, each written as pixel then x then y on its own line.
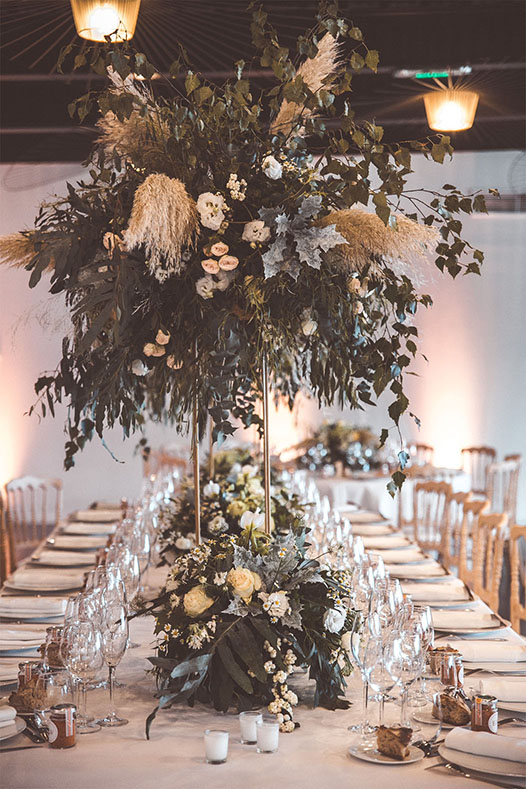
pixel 315 755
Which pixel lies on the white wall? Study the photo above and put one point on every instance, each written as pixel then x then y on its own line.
pixel 472 391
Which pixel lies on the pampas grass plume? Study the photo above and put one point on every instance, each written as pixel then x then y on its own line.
pixel 16 249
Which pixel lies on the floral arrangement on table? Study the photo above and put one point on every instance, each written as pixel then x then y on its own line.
pixel 218 226
pixel 340 444
pixel 239 613
pixel 230 502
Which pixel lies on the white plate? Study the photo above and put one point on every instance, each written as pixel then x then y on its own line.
pixel 512 706
pixel 515 667
pixel 65 586
pixel 483 764
pixel 44 620
pixel 370 755
pixel 472 630
pixel 16 727
pixel 439 575
pixel 424 715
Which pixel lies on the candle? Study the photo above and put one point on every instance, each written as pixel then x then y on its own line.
pixel 216 746
pixel 267 736
pixel 247 723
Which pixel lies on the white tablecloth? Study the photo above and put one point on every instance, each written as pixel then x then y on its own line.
pixel 371 493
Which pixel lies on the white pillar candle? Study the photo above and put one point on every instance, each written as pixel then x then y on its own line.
pixel 216 746
pixel 247 724
pixel 267 736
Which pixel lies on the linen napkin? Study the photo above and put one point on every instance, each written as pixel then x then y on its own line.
pixel 402 555
pixel 65 558
pixel 89 529
pixel 373 530
pixel 476 651
pixel 483 743
pixel 363 516
pixel 20 634
pixel 504 688
pixel 36 580
pixel 8 672
pixel 475 618
pixel 68 542
pixel 394 541
pixel 7 715
pixel 445 591
pixel 96 516
pixel 32 607
pixel 430 569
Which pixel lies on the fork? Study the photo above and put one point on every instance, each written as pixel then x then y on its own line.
pixel 460 770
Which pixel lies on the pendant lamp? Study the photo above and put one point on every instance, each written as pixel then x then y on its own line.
pixel 451 109
pixel 97 19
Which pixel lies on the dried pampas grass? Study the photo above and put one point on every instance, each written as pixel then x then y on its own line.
pixel 369 242
pixel 138 137
pixel 16 249
pixel 164 219
pixel 316 73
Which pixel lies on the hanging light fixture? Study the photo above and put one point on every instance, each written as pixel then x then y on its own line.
pixel 97 19
pixel 451 109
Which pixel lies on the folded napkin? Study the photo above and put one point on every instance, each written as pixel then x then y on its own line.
pixel 21 634
pixel 36 579
pixel 504 688
pixel 430 569
pixel 475 618
pixel 373 530
pixel 69 542
pixel 441 592
pixel 394 541
pixel 477 651
pixel 20 646
pixel 363 516
pixel 9 672
pixel 7 715
pixel 401 555
pixel 32 607
pixel 96 516
pixel 89 529
pixel 483 743
pixel 66 558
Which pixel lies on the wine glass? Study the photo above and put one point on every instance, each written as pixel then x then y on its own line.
pixel 410 644
pixel 81 652
pixel 362 632
pixel 114 640
pixel 382 662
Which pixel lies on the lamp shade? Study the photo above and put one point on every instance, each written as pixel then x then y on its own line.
pixel 96 19
pixel 451 109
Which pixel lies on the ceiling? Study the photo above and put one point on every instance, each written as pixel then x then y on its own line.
pixel 488 35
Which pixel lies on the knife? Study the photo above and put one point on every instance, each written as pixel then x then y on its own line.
pixel 19 748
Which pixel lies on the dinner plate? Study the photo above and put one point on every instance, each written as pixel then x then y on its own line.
pixel 512 706
pixel 64 586
pixel 436 576
pixel 515 667
pixel 370 755
pixel 18 725
pixel 424 715
pixel 483 764
pixel 471 630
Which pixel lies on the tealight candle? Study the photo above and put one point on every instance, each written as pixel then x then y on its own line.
pixel 216 746
pixel 247 723
pixel 267 736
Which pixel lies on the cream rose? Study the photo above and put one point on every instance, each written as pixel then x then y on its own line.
pixel 196 601
pixel 210 266
pixel 219 249
pixel 162 338
pixel 152 349
pixel 244 582
pixel 228 262
pixel 170 362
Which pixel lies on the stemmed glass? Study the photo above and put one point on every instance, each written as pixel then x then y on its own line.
pixel 410 644
pixel 52 687
pixel 362 632
pixel 383 666
pixel 114 640
pixel 81 652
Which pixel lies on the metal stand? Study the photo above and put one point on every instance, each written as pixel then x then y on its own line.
pixel 211 463
pixel 266 444
pixel 195 453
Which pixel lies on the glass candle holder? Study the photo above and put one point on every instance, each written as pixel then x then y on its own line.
pixel 247 724
pixel 216 746
pixel 267 736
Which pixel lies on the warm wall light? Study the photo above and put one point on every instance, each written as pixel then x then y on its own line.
pixel 96 19
pixel 451 109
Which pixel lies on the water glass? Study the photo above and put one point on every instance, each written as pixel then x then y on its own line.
pixel 216 746
pixel 267 736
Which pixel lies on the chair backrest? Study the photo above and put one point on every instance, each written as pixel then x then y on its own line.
pixel 429 508
pixel 475 461
pixel 6 548
pixel 453 520
pixel 489 537
pixel 502 485
pixel 518 577
pixel 472 510
pixel 33 508
pixel 420 454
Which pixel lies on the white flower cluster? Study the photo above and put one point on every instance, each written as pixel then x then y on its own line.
pixel 206 286
pixel 256 232
pixel 211 210
pixel 284 698
pixel 275 604
pixel 237 187
pixel 200 634
pixel 217 525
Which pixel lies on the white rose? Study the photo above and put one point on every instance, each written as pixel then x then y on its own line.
pixel 210 209
pixel 196 601
pixel 184 543
pixel 275 604
pixel 211 489
pixel 272 168
pixel 138 367
pixel 334 619
pixel 256 231
pixel 205 287
pixel 255 520
pixel 243 582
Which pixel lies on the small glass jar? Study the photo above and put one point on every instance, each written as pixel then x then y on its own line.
pixel 484 714
pixel 27 669
pixel 51 651
pixel 62 726
pixel 452 670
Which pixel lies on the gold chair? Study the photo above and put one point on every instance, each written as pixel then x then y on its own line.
pixel 502 485
pixel 6 548
pixel 421 454
pixel 475 461
pixel 518 577
pixel 490 536
pixel 452 529
pixel 472 510
pixel 33 510
pixel 429 509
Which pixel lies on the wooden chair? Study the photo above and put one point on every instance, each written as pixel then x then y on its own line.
pixel 488 544
pixel 472 510
pixel 6 548
pixel 429 508
pixel 518 577
pixel 421 454
pixel 452 529
pixel 502 485
pixel 475 461
pixel 33 510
